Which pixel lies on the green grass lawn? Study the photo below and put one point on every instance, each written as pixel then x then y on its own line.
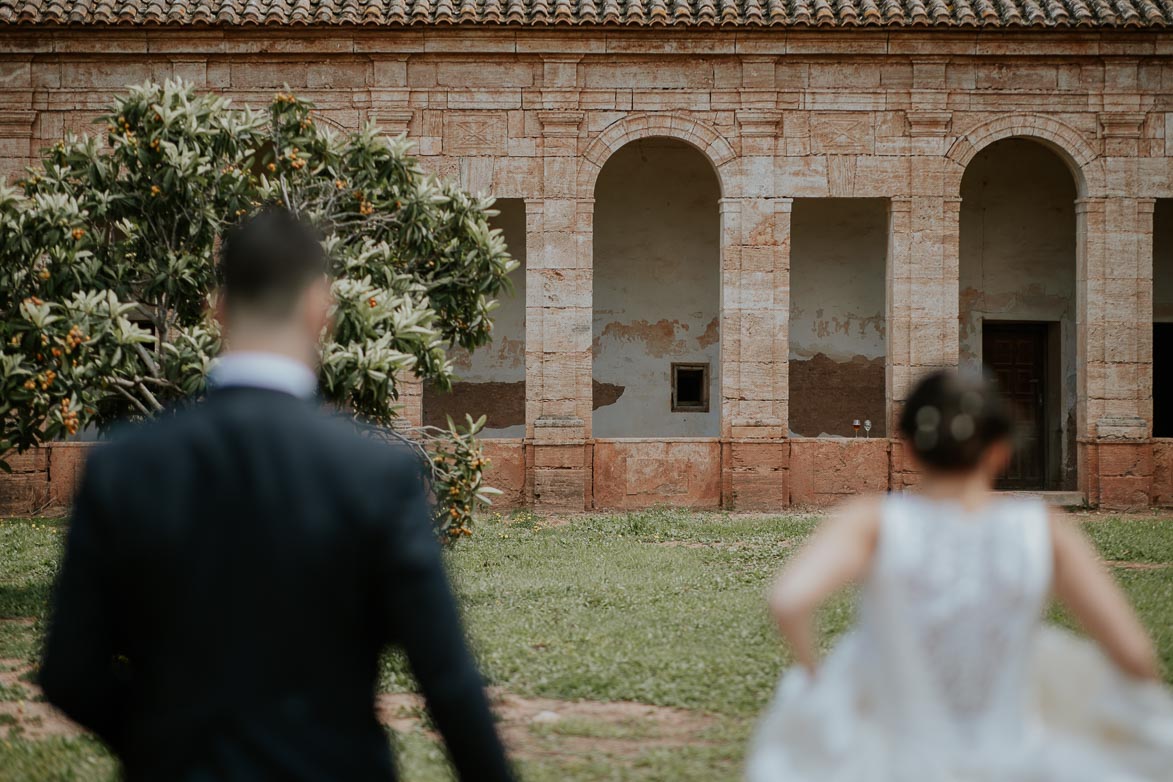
pixel 662 611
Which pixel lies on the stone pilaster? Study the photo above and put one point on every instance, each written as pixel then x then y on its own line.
pixel 1114 337
pixel 558 321
pixel 922 292
pixel 16 142
pixel 755 313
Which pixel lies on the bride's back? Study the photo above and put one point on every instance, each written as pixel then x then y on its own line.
pixel 949 609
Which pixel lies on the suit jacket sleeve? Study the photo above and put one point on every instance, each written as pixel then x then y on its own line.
pixel 80 673
pixel 424 620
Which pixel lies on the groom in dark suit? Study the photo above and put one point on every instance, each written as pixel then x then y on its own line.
pixel 233 572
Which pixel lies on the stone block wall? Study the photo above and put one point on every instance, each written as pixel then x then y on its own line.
pixel 893 114
pixel 826 471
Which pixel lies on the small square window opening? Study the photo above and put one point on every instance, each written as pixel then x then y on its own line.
pixel 690 388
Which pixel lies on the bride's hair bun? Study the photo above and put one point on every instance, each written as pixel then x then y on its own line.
pixel 950 419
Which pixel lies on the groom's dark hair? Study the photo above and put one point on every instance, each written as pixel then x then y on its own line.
pixel 268 259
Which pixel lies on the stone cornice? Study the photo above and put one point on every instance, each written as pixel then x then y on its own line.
pixel 910 43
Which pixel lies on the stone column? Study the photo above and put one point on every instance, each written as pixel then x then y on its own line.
pixel 558 322
pixel 1114 338
pixel 755 322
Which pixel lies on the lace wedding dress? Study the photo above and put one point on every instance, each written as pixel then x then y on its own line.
pixel 949 676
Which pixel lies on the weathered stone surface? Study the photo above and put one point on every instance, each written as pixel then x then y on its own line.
pixel 66 465
pixel 24 494
pixel 1163 473
pixel 506 472
pixel 536 117
pixel 643 473
pixel 824 471
pixel 559 491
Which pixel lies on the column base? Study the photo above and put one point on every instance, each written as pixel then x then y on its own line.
pixel 1119 472
pixel 755 474
pixel 560 469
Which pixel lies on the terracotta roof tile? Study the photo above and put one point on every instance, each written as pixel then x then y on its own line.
pixel 630 13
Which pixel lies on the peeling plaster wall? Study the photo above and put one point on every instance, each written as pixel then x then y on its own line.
pixel 492 378
pixel 656 288
pixel 1018 235
pixel 837 325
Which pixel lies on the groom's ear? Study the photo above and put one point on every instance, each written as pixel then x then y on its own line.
pixel 317 306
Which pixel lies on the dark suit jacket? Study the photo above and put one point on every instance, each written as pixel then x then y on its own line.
pixel 231 577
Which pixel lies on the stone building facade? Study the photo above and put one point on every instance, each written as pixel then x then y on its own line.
pixel 743 224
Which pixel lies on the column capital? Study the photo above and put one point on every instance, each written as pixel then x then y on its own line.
pixel 755 122
pixel 928 123
pixel 1085 204
pixel 17 124
pixel 557 122
pixel 395 121
pixel 1120 124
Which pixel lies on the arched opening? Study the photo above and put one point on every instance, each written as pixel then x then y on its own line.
pixel 1018 299
pixel 657 277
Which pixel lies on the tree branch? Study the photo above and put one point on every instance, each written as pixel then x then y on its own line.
pixel 133 400
pixel 150 397
pixel 146 357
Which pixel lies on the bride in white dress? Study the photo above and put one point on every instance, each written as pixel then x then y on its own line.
pixel 949 675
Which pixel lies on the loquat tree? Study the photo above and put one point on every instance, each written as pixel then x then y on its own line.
pixel 107 270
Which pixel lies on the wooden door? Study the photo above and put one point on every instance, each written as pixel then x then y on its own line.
pixel 1016 353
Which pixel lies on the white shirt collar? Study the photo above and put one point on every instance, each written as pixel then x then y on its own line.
pixel 270 371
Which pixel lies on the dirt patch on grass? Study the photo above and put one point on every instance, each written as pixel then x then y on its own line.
pixel 546 728
pixel 21 621
pixel 716 544
pixel 29 716
pixel 1124 564
pixel 535 728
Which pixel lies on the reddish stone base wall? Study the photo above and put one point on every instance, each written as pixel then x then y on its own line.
pixel 42 481
pixel 1163 473
pixel 1119 475
pixel 823 472
pixel 743 475
pixel 631 474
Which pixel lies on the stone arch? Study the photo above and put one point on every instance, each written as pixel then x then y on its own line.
pixel 1067 142
pixel 705 138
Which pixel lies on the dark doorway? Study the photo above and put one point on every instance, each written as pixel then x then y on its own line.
pixel 1163 380
pixel 1016 354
